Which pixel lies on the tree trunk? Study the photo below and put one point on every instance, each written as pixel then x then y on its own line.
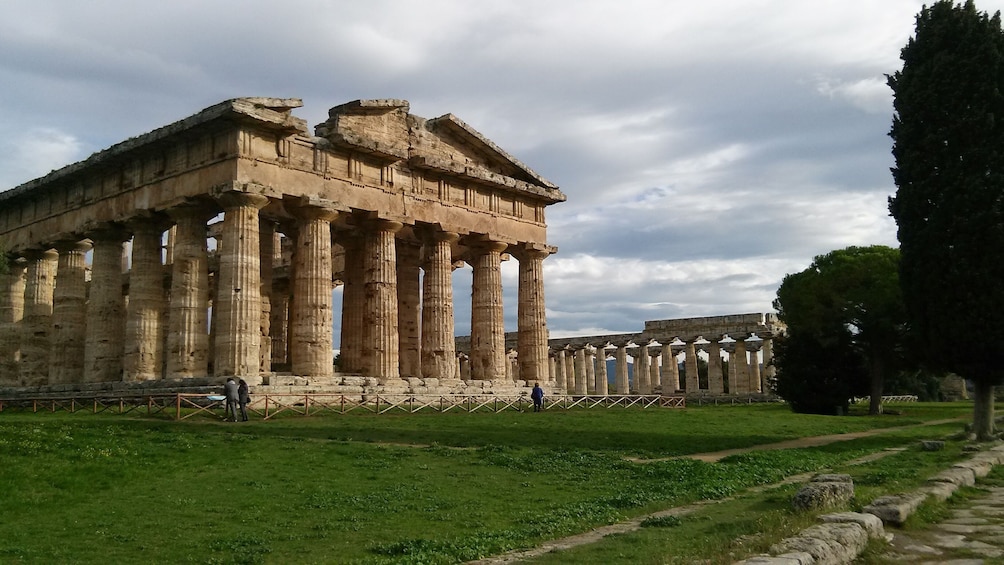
pixel 983 410
pixel 877 383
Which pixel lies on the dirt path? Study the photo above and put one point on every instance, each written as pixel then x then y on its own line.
pixel 633 524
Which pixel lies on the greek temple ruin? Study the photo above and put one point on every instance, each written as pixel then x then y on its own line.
pixel 378 200
pixel 578 365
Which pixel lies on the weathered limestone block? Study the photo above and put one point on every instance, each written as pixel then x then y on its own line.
pixel 824 491
pixel 956 475
pixel 795 558
pixel 979 467
pixel 870 522
pixel 931 445
pixel 828 544
pixel 894 509
pixel 940 490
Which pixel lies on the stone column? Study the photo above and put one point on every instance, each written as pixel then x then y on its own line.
pixel 590 354
pixel 310 331
pixel 621 378
pixel 769 371
pixel 560 379
pixel 570 371
pixel 642 372
pixel 266 238
pixel 742 371
pixel 144 352
pixel 731 348
pixel 438 340
pixel 465 367
pixel 653 370
pixel 690 364
pixel 487 322
pixel 279 323
pixel 409 311
pixel 11 313
pixel 754 367
pixel 104 346
pixel 551 369
pixel 580 371
pixel 602 388
pixel 69 321
pixel 380 338
pixel 36 325
pixel 716 384
pixel 188 315
pixel 353 298
pixel 670 370
pixel 238 295
pixel 531 339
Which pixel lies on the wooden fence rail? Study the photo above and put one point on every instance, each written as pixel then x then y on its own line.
pixel 267 406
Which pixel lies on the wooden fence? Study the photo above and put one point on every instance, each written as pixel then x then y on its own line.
pixel 182 406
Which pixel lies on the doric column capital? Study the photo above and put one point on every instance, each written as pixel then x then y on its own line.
pixel 381 225
pixel 480 244
pixel 148 223
pixel 235 199
pixel 69 245
pixel 525 251
pixel 192 211
pixel 312 212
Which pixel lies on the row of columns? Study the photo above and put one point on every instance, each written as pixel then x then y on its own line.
pixel 583 370
pixel 395 322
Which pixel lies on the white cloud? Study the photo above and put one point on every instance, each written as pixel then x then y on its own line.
pixel 34 153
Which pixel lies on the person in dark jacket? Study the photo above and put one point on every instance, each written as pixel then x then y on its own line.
pixel 230 390
pixel 538 397
pixel 243 398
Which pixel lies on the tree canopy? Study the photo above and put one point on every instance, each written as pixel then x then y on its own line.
pixel 948 134
pixel 845 319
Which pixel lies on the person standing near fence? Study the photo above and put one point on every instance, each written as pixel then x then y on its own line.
pixel 243 398
pixel 230 390
pixel 538 397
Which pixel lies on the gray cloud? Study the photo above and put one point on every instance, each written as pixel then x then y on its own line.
pixel 706 149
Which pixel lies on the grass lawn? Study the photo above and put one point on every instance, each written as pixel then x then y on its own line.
pixel 406 488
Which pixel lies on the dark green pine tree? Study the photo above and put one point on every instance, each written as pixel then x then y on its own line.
pixel 948 137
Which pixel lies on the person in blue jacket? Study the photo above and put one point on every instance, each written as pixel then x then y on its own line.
pixel 538 397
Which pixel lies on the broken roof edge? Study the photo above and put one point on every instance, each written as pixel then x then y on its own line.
pixel 457 125
pixel 265 109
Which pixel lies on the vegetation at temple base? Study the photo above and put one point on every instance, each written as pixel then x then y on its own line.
pixel 407 488
pixel 948 135
pixel 845 336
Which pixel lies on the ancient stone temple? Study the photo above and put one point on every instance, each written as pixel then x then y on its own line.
pixel 214 244
pixel 579 364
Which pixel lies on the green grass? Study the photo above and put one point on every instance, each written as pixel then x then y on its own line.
pixel 420 488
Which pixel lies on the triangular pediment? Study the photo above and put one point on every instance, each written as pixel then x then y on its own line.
pixel 455 137
pixel 384 128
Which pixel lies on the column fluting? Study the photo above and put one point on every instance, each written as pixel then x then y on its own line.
pixel 438 342
pixel 69 314
pixel 237 345
pixel 310 331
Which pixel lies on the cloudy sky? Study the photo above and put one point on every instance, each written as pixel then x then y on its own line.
pixel 706 148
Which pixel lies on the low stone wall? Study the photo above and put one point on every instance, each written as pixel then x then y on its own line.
pixel 841 537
